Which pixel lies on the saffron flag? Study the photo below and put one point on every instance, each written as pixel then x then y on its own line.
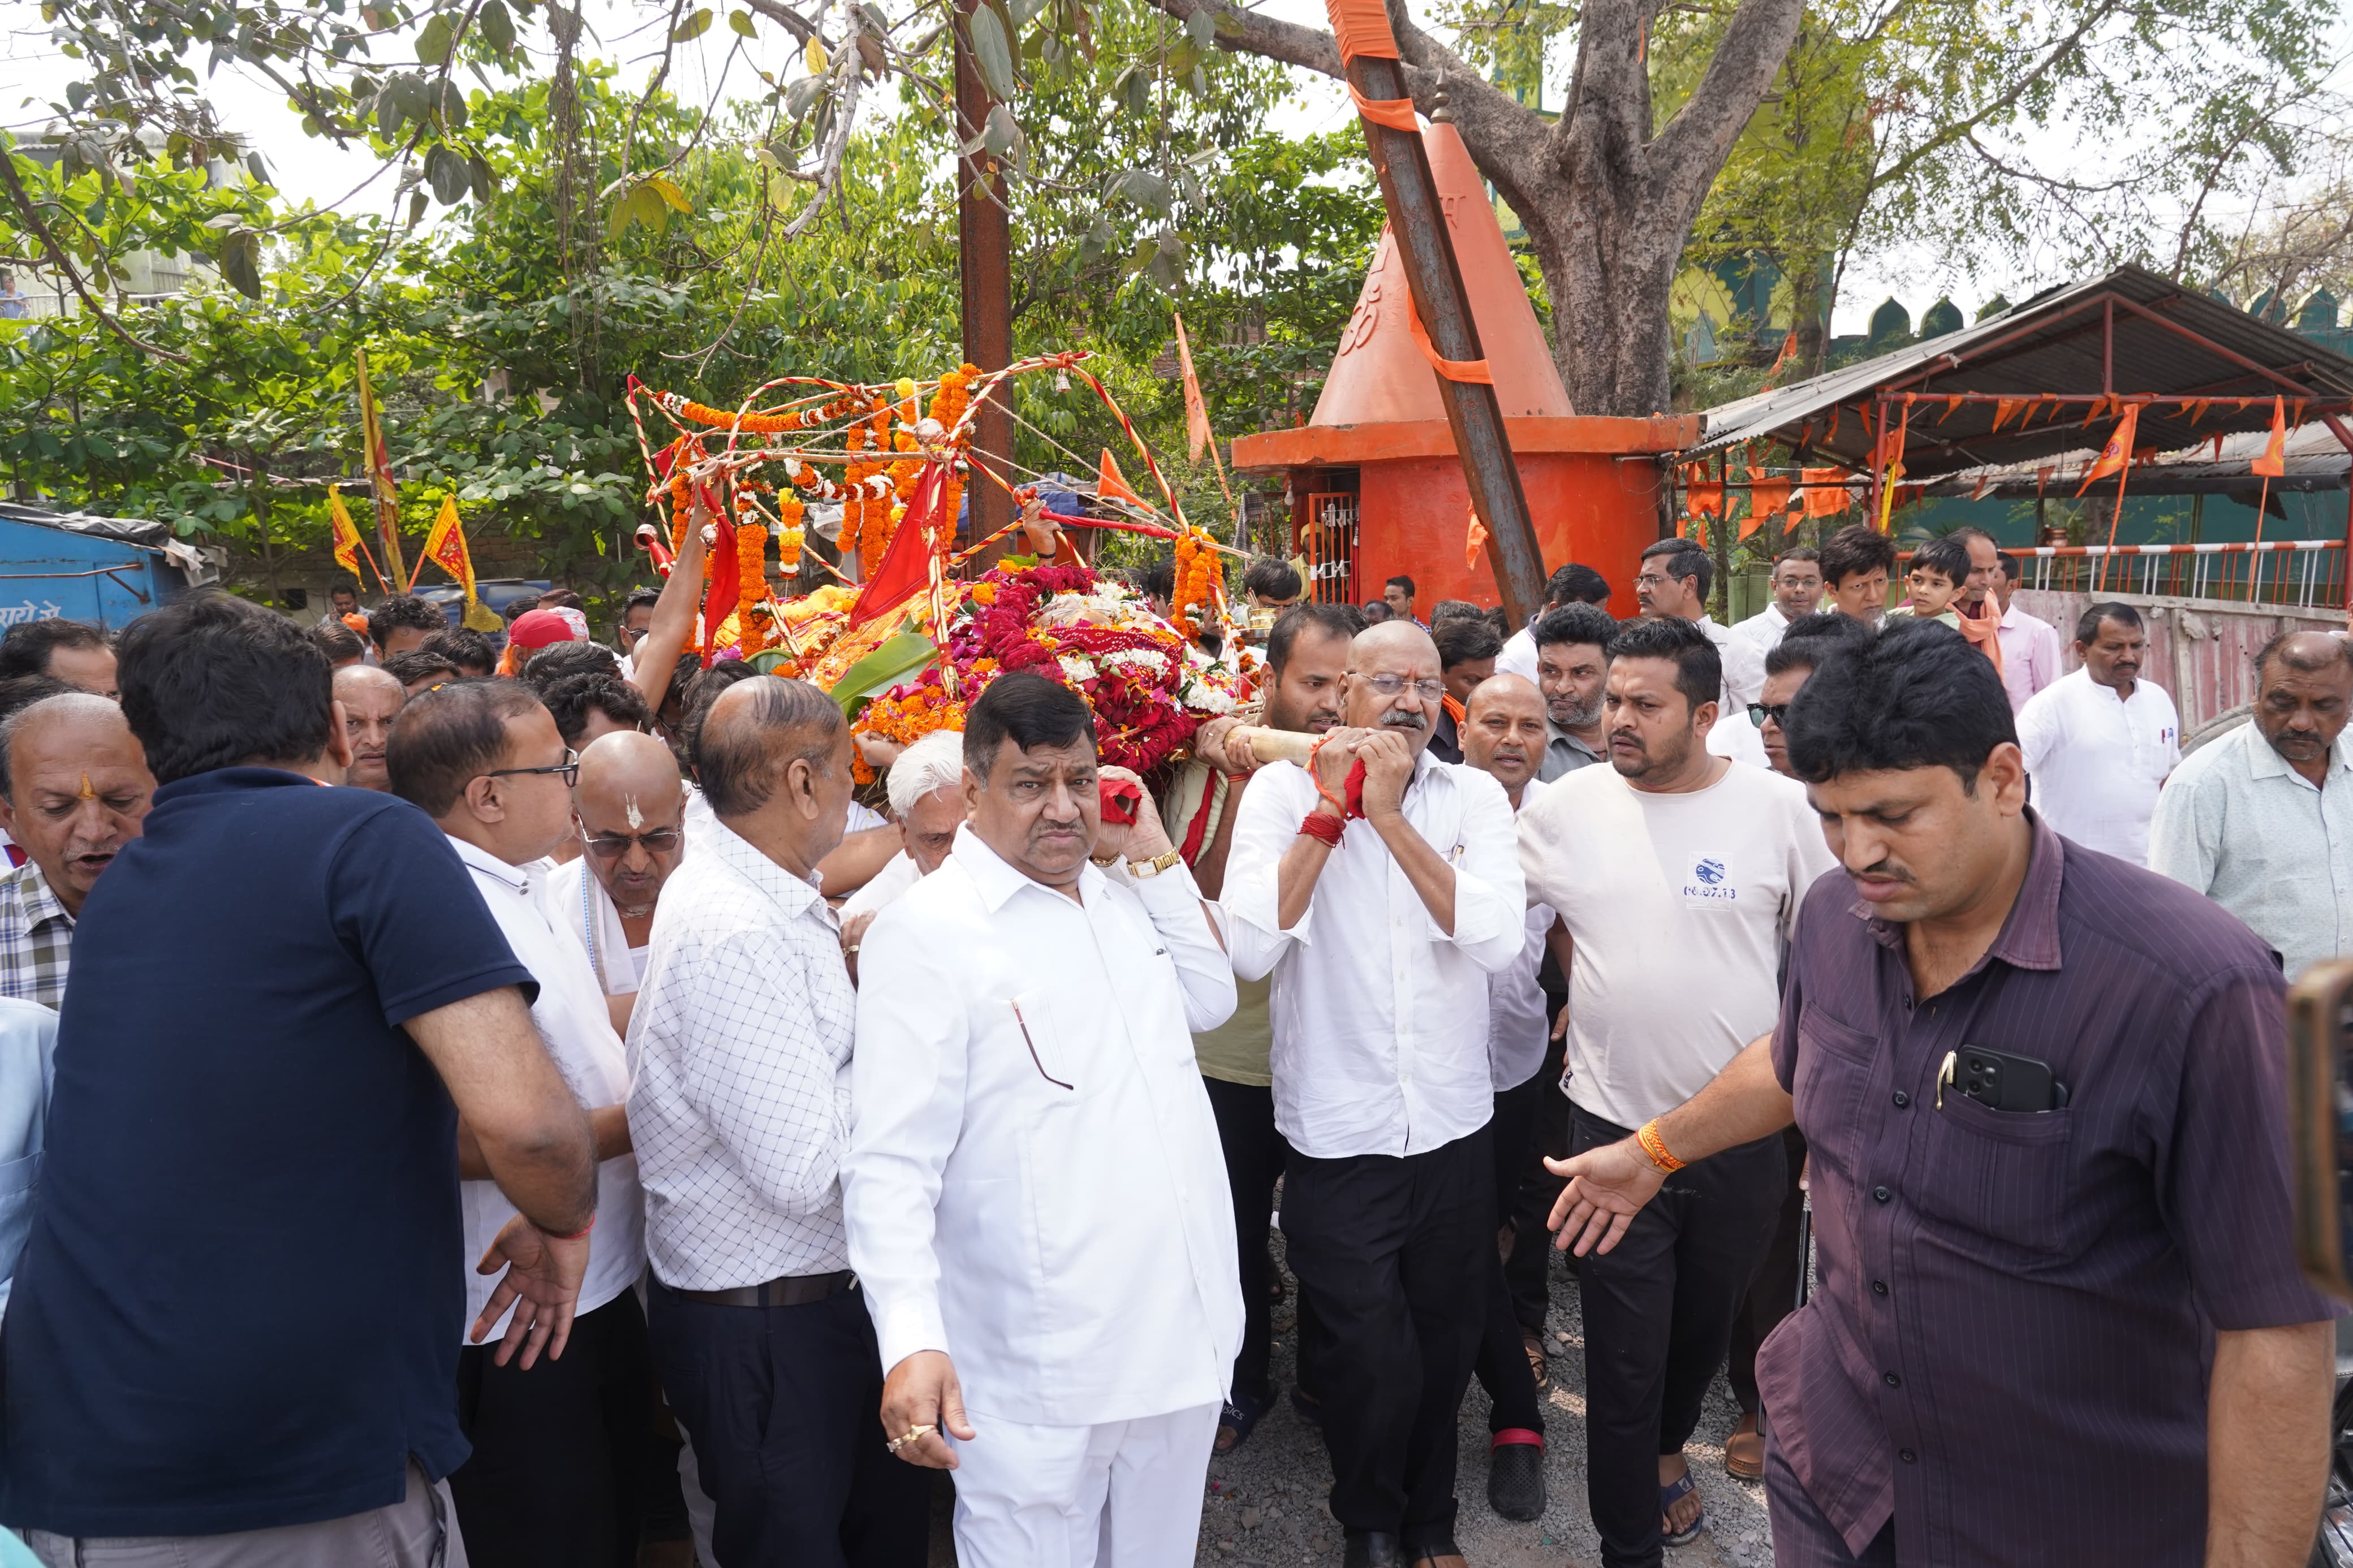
pixel 1765 496
pixel 379 468
pixel 346 533
pixel 1474 538
pixel 446 548
pixel 1826 491
pixel 1112 485
pixel 1789 348
pixel 905 567
pixel 2117 456
pixel 1198 435
pixel 1707 497
pixel 2273 462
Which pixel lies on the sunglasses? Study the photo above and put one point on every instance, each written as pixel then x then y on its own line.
pixel 569 768
pixel 613 846
pixel 1758 713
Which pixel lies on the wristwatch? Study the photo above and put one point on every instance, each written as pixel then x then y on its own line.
pixel 1154 866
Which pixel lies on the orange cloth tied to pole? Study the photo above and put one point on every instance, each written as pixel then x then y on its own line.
pixel 1452 369
pixel 1397 113
pixel 1361 27
pixel 1474 539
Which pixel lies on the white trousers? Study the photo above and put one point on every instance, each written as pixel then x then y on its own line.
pixel 1126 1494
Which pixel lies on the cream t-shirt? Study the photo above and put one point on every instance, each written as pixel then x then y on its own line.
pixel 1679 906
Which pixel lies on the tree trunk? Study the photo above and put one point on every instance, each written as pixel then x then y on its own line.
pixel 1607 203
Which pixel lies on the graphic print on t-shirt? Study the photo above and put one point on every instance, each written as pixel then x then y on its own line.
pixel 1709 881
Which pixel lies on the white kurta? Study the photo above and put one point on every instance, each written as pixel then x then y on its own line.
pixel 1034 1183
pixel 2096 758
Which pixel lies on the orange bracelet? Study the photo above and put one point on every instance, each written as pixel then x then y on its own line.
pixel 1333 801
pixel 1647 1135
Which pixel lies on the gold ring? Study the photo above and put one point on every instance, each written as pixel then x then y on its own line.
pixel 912 1435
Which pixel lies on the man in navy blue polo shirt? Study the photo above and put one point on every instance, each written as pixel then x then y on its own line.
pixel 233 1324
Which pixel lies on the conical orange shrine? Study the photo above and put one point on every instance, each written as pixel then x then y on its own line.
pixel 1375 486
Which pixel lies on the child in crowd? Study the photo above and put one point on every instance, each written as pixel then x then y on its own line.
pixel 1938 568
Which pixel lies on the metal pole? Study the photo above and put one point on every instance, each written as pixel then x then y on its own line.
pixel 984 264
pixel 1426 246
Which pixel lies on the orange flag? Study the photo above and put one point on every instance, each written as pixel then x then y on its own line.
pixel 1825 492
pixel 2003 407
pixel 1474 539
pixel 1198 436
pixel 379 468
pixel 1705 496
pixel 2117 456
pixel 1112 485
pixel 1766 496
pixel 346 533
pixel 2273 462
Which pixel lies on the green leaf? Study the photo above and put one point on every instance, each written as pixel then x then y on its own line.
pixel 1201 26
pixel 240 262
pixel 694 26
pixel 452 105
pixel 901 656
pixel 498 26
pixel 663 188
pixel 433 40
pixel 741 22
pixel 992 54
pixel 449 173
pixel 999 133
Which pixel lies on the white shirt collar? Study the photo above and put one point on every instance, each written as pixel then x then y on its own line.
pixel 792 894
pixel 2264 763
pixel 997 880
pixel 516 879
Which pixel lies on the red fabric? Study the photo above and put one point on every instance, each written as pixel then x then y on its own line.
pixel 1516 1437
pixel 904 570
pixel 1325 830
pixel 1120 799
pixel 723 575
pixel 538 628
pixel 16 853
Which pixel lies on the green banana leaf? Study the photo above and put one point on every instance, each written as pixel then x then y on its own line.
pixel 899 659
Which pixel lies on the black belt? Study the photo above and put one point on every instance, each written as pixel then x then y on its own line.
pixel 791 1291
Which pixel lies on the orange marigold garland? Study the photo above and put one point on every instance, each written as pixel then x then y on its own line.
pixel 1196 565
pixel 790 512
pixel 751 581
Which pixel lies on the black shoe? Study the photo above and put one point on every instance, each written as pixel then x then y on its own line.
pixel 1372 1549
pixel 1515 1482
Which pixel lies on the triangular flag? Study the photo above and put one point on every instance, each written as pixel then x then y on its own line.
pixel 346 533
pixel 2197 409
pixel 1474 539
pixel 905 567
pixel 1952 402
pixel 1788 347
pixel 1198 435
pixel 2273 462
pixel 446 548
pixel 2098 405
pixel 2003 407
pixel 1112 485
pixel 379 469
pixel 2117 456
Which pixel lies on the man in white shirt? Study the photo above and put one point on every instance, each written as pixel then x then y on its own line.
pixel 1797 584
pixel 1503 737
pixel 926 785
pixel 630 813
pixel 2029 645
pixel 1678 876
pixel 1036 1204
pixel 2261 821
pixel 1572 584
pixel 742 1044
pixel 1380 906
pixel 2100 742
pixel 559 1447
pixel 1672 585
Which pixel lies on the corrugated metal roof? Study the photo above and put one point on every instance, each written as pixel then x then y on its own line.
pixel 2051 344
pixel 2315 460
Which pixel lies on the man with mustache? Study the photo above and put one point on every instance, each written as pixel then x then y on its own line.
pixel 1570 664
pixel 1677 874
pixel 1380 899
pixel 74 789
pixel 2260 820
pixel 1033 1187
pixel 2099 742
pixel 1503 737
pixel 372 700
pixel 2049 1172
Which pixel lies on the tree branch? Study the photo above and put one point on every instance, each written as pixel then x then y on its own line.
pixel 1686 154
pixel 23 202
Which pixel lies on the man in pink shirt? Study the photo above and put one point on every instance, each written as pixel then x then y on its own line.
pixel 2030 647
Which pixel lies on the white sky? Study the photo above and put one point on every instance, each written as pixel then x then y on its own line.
pixel 314 169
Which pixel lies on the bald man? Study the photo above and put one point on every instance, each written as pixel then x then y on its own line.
pixel 372 700
pixel 628 811
pixel 1380 957
pixel 73 791
pixel 742 1043
pixel 1503 736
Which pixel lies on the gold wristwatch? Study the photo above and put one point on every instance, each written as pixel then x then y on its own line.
pixel 1154 866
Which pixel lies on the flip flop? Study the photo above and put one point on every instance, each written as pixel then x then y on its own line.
pixel 1241 1414
pixel 1682 1487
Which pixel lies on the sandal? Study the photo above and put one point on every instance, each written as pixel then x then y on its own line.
pixel 1538 1366
pixel 1241 1414
pixel 1669 1494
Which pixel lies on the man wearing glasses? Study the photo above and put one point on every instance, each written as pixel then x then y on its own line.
pixel 1380 889
pixel 558 1445
pixel 629 812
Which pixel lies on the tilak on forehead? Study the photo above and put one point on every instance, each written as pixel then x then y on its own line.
pixel 636 817
pixel 86 793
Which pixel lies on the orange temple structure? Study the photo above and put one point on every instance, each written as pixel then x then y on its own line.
pixel 1376 488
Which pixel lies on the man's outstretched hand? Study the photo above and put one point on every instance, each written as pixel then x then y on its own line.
pixel 542 1281
pixel 1607 1188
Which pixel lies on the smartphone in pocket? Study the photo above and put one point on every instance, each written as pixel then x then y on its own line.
pixel 2001 1081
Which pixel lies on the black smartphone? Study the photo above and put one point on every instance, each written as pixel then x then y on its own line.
pixel 2000 1081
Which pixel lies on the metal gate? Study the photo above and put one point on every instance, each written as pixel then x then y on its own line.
pixel 1328 542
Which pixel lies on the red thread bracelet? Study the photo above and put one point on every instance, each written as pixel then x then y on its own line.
pixel 555 1236
pixel 1325 830
pixel 1333 801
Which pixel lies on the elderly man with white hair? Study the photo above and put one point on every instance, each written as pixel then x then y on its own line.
pixel 926 785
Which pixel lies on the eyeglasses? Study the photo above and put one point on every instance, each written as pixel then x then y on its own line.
pixel 1393 685
pixel 569 768
pixel 1758 713
pixel 613 846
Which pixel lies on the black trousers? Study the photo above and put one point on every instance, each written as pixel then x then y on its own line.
pixel 1255 1153
pixel 1382 1246
pixel 784 1407
pixel 1772 1293
pixel 560 1452
pixel 1658 1316
pixel 1527 1269
pixel 1503 1364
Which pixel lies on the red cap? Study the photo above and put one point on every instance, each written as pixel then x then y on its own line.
pixel 538 628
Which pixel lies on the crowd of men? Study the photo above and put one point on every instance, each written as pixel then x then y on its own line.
pixel 589 1135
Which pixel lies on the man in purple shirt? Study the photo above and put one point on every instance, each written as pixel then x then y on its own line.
pixel 2074 1335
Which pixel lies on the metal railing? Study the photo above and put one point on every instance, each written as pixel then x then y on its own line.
pixel 2304 573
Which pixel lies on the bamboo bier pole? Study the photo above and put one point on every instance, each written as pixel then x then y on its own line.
pixel 1277 745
